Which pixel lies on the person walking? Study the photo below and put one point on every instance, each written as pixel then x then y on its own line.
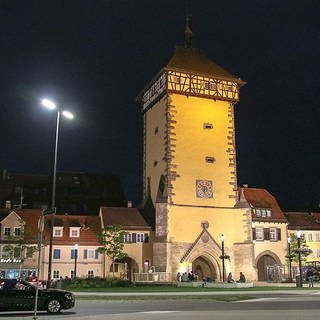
pixel 310 277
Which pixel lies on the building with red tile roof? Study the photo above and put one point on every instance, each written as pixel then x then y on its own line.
pixel 138 241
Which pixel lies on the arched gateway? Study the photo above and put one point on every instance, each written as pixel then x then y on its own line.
pixel 204 269
pixel 269 267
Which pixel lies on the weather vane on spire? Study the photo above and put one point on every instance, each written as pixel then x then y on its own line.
pixel 188 33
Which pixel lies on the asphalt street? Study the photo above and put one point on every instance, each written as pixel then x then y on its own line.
pixel 295 305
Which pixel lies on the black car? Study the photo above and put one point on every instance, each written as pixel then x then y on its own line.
pixel 19 295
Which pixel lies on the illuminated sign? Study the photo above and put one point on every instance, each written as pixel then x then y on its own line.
pixel 14 260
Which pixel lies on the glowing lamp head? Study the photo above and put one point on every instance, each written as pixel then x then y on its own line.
pixel 48 104
pixel 67 114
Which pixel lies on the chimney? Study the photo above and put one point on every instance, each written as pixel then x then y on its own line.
pixel 129 204
pixel 8 204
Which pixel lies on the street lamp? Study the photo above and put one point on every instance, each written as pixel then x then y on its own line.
pixel 222 256
pixel 75 260
pixel 299 257
pixel 52 106
pixel 289 258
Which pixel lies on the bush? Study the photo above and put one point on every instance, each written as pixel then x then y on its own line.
pixel 94 282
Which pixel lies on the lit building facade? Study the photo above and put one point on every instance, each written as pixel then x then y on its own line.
pixel 190 172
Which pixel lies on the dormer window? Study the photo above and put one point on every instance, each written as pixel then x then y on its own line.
pixel 74 232
pixel 263 213
pixel 57 231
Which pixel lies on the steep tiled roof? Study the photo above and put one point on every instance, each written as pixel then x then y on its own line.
pixel 194 60
pixel 90 226
pixel 262 199
pixel 302 221
pixel 31 218
pixel 128 218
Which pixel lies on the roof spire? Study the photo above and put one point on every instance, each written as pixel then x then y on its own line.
pixel 188 33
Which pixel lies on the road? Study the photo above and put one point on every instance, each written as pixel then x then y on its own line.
pixel 293 307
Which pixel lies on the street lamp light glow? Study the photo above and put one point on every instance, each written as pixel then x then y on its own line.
pixel 67 114
pixel 222 238
pixel 289 239
pixel 48 104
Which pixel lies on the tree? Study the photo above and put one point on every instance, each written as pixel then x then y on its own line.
pixel 304 249
pixel 111 239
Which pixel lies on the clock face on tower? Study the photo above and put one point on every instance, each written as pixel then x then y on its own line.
pixel 204 189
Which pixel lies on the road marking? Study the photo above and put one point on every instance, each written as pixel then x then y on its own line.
pixel 256 300
pixel 156 312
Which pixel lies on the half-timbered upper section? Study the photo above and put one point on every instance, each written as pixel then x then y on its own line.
pixel 190 72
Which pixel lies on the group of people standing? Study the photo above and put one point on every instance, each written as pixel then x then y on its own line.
pixel 185 277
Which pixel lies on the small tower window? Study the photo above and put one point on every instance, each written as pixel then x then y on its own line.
pixel 156 130
pixel 207 125
pixel 210 159
pixel 176 79
pixel 155 163
pixel 208 85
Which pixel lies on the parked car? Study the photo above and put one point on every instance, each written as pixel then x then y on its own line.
pixel 34 280
pixel 19 295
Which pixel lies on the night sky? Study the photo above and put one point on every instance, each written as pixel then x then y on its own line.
pixel 93 57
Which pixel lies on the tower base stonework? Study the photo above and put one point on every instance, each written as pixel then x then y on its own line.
pixel 243 261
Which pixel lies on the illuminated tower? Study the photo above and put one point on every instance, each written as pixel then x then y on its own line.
pixel 190 164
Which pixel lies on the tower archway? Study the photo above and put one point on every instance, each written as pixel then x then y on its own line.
pixel 203 268
pixel 124 268
pixel 269 267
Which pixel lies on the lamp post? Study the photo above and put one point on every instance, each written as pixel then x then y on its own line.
pixel 52 106
pixel 75 260
pixel 222 256
pixel 299 258
pixel 289 258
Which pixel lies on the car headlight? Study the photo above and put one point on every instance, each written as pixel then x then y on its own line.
pixel 68 296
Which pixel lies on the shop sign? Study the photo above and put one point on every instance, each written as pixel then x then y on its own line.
pixel 14 260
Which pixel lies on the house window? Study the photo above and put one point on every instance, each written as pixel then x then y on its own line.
pixel 114 267
pixel 273 234
pixel 127 237
pixel 258 212
pixel 90 254
pixel 259 234
pixel 17 232
pixel 74 232
pixel 17 252
pixel 7 231
pixel 140 237
pixel 56 253
pixel 56 274
pixel 318 253
pixel 310 236
pixel 57 231
pixel 317 236
pixel 30 251
pixel 74 253
pixel 90 274
pixel 6 252
pixel 207 126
